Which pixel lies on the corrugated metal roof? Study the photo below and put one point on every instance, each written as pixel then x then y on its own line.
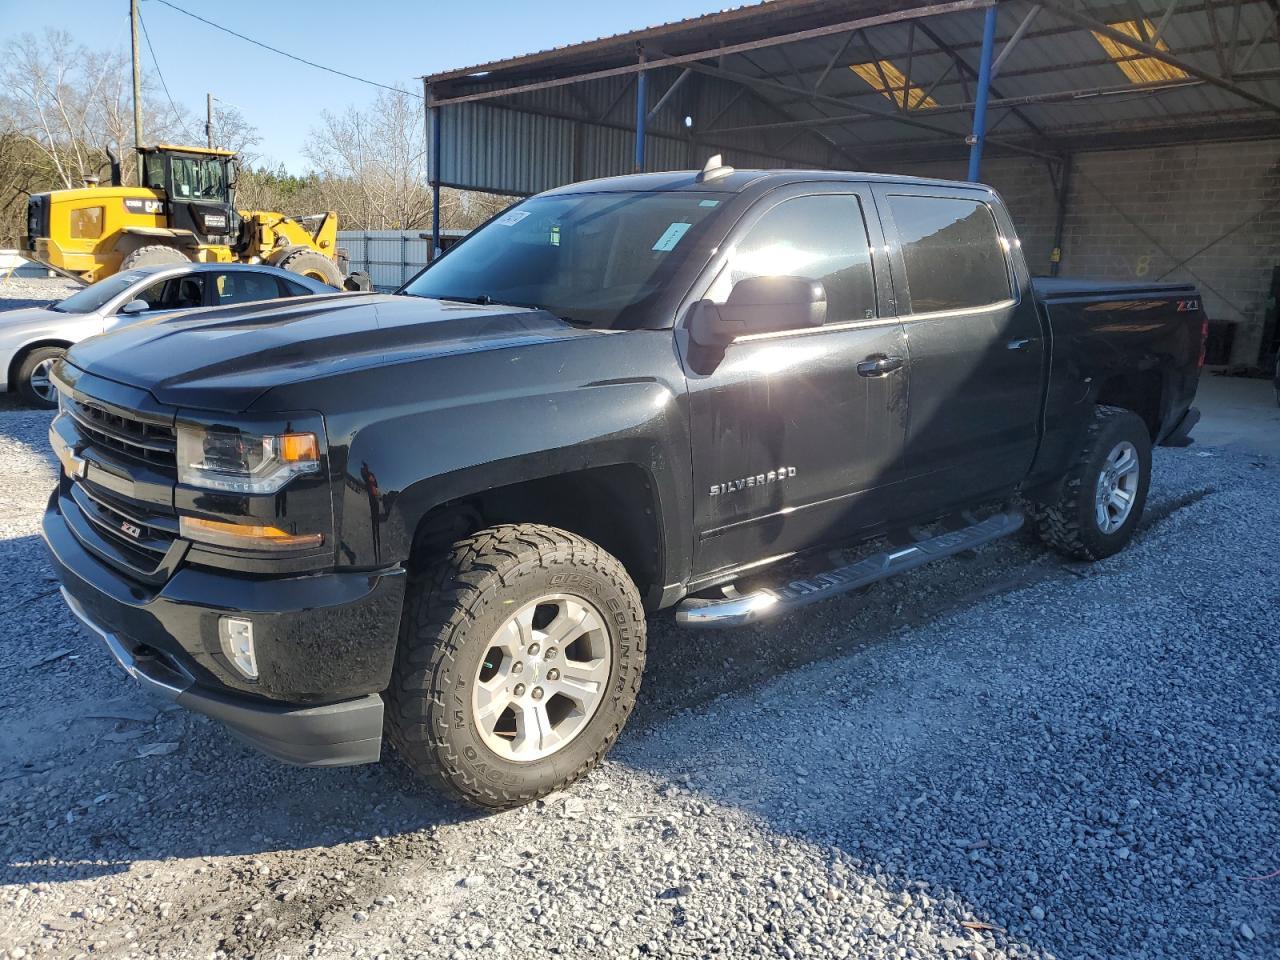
pixel 800 104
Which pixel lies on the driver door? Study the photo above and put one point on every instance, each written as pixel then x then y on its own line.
pixel 794 447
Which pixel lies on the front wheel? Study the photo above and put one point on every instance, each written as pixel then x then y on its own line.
pixel 34 383
pixel 1105 490
pixel 520 658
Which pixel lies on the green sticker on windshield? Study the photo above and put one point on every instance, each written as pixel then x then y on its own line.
pixel 671 236
pixel 709 203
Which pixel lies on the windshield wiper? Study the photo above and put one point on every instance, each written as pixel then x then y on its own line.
pixel 482 299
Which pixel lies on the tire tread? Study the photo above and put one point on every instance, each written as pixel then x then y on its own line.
pixel 440 603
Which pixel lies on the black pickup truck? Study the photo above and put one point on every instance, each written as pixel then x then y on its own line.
pixel 443 516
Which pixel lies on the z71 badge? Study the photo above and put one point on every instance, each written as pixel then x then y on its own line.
pixel 745 483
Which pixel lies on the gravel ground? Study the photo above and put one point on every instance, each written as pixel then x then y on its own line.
pixel 999 756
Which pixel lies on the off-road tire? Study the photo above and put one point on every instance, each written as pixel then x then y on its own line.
pixel 309 263
pixel 1070 525
pixel 30 363
pixel 452 610
pixel 153 255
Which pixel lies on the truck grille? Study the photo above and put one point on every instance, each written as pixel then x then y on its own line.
pixel 151 443
pixel 120 505
pixel 143 540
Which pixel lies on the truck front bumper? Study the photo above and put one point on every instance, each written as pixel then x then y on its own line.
pixel 324 653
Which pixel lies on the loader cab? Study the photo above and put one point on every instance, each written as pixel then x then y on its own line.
pixel 198 185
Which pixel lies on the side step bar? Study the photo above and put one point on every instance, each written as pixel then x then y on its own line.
pixel 736 609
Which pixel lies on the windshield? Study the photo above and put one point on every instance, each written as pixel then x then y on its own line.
pixel 198 179
pixel 94 296
pixel 593 259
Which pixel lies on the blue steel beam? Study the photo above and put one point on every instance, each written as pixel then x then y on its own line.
pixel 980 99
pixel 642 86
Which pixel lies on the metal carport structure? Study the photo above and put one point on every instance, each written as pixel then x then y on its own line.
pixel 866 84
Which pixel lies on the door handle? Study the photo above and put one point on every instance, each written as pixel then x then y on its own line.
pixel 1019 343
pixel 879 366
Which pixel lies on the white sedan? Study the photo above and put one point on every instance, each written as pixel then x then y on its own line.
pixel 33 338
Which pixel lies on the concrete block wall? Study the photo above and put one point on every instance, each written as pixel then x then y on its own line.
pixel 1204 213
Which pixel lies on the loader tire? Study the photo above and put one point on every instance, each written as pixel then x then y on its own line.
pixel 520 657
pixel 309 263
pixel 155 254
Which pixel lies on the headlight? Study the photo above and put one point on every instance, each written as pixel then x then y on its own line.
pixel 235 461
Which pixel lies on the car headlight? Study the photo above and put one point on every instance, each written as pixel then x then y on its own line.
pixel 237 461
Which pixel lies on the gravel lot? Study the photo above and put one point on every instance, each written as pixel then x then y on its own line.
pixel 1000 756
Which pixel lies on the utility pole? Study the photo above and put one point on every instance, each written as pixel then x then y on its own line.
pixel 137 82
pixel 208 118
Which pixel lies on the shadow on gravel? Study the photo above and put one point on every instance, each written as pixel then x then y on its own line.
pixel 156 784
pixel 214 797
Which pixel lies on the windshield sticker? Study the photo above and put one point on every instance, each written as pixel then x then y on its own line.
pixel 709 203
pixel 671 236
pixel 512 218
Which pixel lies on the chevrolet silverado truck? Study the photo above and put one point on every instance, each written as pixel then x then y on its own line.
pixel 440 518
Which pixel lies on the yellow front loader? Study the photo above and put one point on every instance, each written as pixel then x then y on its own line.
pixel 184 211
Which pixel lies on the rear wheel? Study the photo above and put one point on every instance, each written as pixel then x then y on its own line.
pixel 34 385
pixel 520 658
pixel 153 255
pixel 1105 491
pixel 309 263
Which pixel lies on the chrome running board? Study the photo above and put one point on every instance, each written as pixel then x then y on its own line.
pixel 735 609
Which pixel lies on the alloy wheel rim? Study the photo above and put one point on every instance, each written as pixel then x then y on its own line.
pixel 41 383
pixel 543 677
pixel 1117 487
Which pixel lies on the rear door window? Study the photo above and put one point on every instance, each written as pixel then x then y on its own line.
pixel 953 253
pixel 290 289
pixel 245 286
pixel 820 237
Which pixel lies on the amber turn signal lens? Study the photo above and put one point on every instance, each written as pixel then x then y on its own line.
pixel 299 447
pixel 260 536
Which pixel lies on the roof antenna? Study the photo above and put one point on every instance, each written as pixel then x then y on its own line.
pixel 714 169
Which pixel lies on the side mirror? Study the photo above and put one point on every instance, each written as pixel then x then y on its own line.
pixel 759 305
pixel 134 307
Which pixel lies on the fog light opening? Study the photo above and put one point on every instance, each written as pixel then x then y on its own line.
pixel 236 635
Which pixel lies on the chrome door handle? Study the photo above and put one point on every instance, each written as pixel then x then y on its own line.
pixel 1018 344
pixel 879 366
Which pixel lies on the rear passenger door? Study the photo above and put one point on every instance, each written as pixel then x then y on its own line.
pixel 974 338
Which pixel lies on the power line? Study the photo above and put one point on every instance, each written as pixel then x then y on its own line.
pixel 283 53
pixel 177 115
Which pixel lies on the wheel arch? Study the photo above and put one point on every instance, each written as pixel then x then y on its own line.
pixel 1142 392
pixel 614 505
pixel 24 351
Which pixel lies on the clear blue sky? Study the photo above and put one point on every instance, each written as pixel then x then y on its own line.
pixel 390 41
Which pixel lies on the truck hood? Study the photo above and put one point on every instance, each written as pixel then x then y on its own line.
pixel 224 359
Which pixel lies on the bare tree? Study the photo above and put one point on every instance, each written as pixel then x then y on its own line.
pixel 371 167
pixel 372 162
pixel 72 104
